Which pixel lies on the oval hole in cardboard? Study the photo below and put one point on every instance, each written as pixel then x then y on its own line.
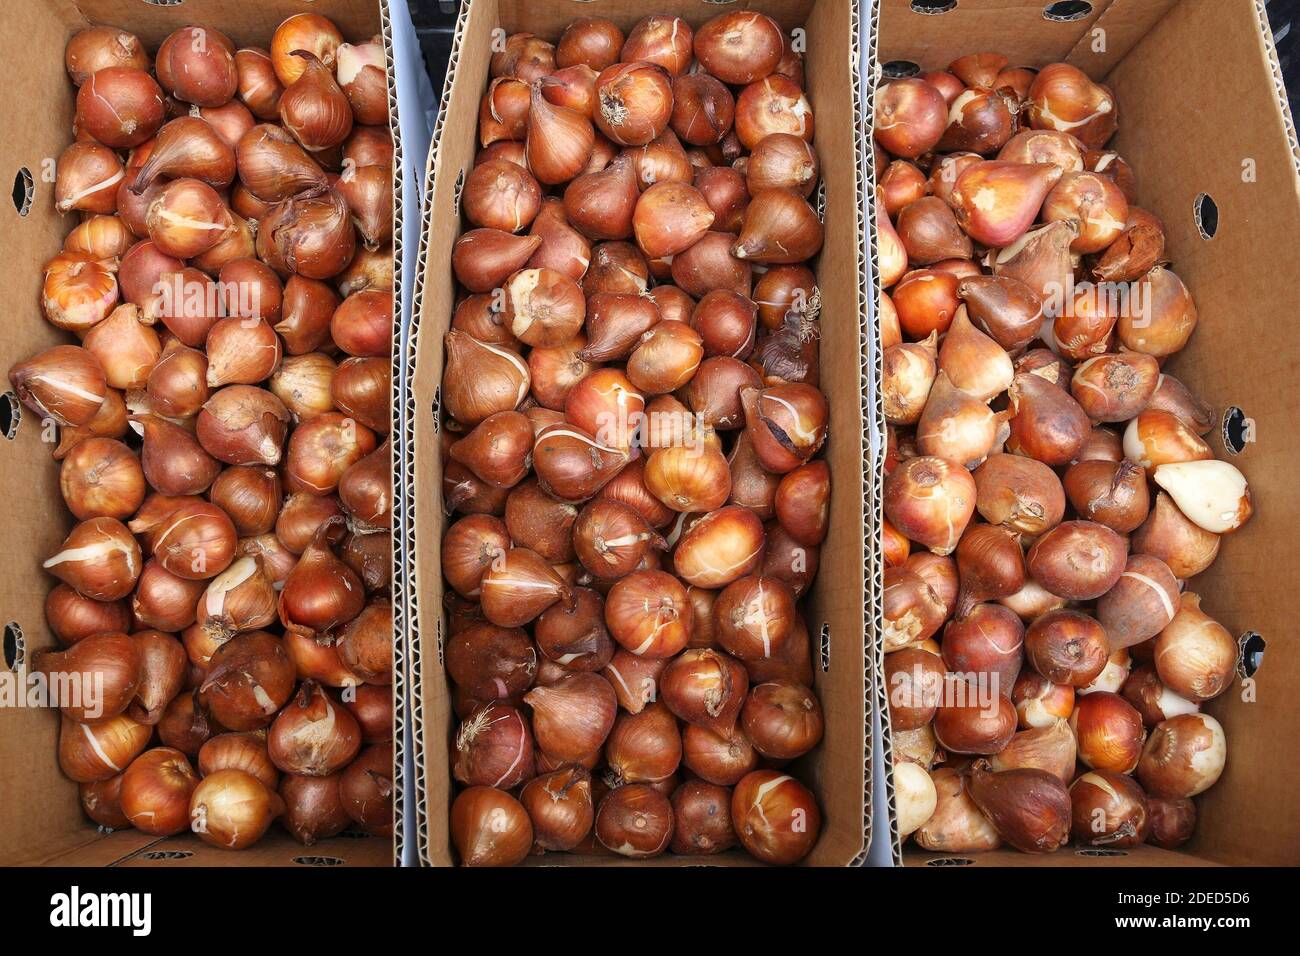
pixel 460 188
pixel 318 861
pixel 1206 211
pixel 1251 656
pixel 826 647
pixel 13 646
pixel 1099 851
pixel 11 413
pixel 436 408
pixel 933 8
pixel 23 191
pixel 1236 430
pixel 164 3
pixel 1066 10
pixel 897 69
pixel 950 861
pixel 160 855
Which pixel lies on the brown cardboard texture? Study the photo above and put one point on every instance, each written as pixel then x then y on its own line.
pixel 1201 112
pixel 41 821
pixel 839 771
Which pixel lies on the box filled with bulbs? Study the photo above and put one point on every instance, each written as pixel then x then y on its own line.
pixel 199 650
pixel 639 622
pixel 1085 246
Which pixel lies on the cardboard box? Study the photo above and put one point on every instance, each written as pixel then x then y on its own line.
pixel 839 771
pixel 41 821
pixel 1202 112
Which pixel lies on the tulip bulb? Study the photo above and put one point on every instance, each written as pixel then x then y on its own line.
pixel 911 116
pixel 1063 98
pixel 1212 494
pixel 779 227
pixel 973 361
pixel 559 141
pixel 996 202
pixel 930 500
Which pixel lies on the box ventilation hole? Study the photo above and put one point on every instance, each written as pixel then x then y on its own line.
pixel 1237 430
pixel 1099 851
pixel 826 647
pixel 720 3
pixel 932 8
pixel 164 3
pixel 1067 10
pixel 1206 211
pixel 897 69
pixel 1251 655
pixel 158 855
pixel 13 646
pixel 950 861
pixel 11 413
pixel 24 190
pixel 318 861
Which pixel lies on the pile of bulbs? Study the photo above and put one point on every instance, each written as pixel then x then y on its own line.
pixel 1048 489
pixel 221 433
pixel 633 414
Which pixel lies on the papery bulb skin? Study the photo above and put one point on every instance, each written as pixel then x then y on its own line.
pixel 65 383
pixel 930 500
pixel 559 140
pixel 1050 747
pixel 321 593
pixel 573 717
pixel 1063 98
pixel 1183 756
pixel 1094 203
pixel 1109 810
pixel 1040 259
pixel 911 117
pixel 780 227
pixel 1135 252
pixel 520 586
pixel 930 232
pixel 913 612
pixel 957 825
pixel 978 121
pixel 99 558
pixel 494 748
pixel 249 679
pixel 314 735
pixel 482 379
pixel 1029 808
pixel 109 662
pixel 1195 655
pixel 974 362
pixel 1078 560
pixel 996 202
pixel 663 40
pixel 1047 423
